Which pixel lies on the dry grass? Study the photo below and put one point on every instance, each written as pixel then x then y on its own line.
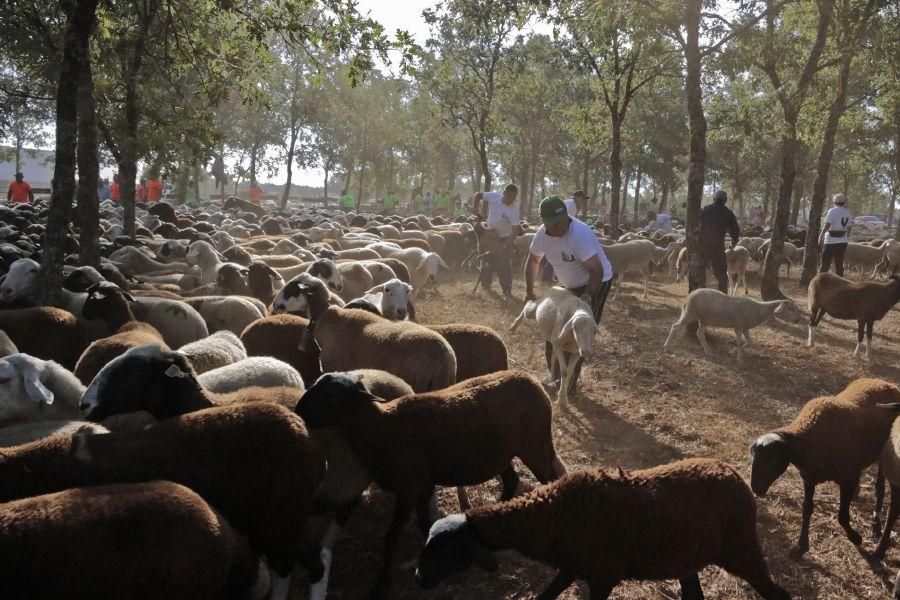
pixel 640 407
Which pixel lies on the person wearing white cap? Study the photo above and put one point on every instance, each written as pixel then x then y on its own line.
pixel 835 235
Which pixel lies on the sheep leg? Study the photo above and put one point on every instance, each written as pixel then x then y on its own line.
pixel 869 326
pixel 510 480
pixel 860 332
pixel 463 498
pixel 423 511
pixel 690 588
pixel 744 282
pixel 402 510
pixel 319 589
pixel 809 491
pixel 848 492
pixel 733 283
pixel 599 591
pixel 280 586
pixel 879 503
pixel 748 563
pixel 556 587
pixel 562 396
pixel 646 277
pixel 893 512
pixel 701 335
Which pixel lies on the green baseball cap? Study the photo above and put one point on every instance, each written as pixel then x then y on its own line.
pixel 553 211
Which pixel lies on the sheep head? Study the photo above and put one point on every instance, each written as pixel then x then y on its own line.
pixel 303 294
pixel 22 395
pixel 21 280
pixel 788 311
pixel 147 378
pixel 329 401
pixel 452 547
pixel 582 329
pixel 770 459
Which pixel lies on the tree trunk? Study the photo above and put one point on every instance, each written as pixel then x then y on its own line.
pixel 637 195
pixel 325 186
pixel 664 198
pixel 615 171
pixel 738 193
pixel 795 204
pixel 253 152
pixel 531 184
pixel 181 185
pixel 292 147
pixel 359 193
pixel 769 288
pixel 88 169
pixel 767 199
pixel 485 166
pixel 79 23
pixel 697 125
pixel 196 169
pixel 896 161
pixel 823 166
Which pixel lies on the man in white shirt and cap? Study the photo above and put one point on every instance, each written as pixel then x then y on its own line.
pixel 835 235
pixel 577 258
pixel 503 217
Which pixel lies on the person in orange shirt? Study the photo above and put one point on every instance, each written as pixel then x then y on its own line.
pixel 255 193
pixel 154 190
pixel 114 194
pixel 19 191
pixel 141 192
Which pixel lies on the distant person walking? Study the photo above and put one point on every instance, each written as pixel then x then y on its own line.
pixel 20 191
pixel 256 193
pixel 717 221
pixel 503 215
pixel 835 235
pixel 114 193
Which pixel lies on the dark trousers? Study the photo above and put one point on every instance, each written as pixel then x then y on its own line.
pixel 836 253
pixel 501 263
pixel 715 258
pixel 598 301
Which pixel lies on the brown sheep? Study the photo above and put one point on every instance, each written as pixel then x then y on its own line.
pixel 356 339
pixel 45 332
pixel 279 336
pixel 833 438
pixel 862 301
pixel 478 349
pixel 70 544
pixel 108 302
pixel 605 527
pixel 254 463
pixel 412 243
pixel 462 435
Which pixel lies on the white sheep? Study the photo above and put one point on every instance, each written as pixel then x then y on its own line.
pixel 712 308
pixel 423 266
pixel 220 349
pixel 632 256
pixel 391 299
pixel 258 371
pixel 736 261
pixel 567 323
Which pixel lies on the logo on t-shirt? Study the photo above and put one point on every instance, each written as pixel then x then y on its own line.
pixel 844 222
pixel 568 257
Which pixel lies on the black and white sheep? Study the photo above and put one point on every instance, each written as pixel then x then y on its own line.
pixel 605 527
pixel 833 438
pixel 462 435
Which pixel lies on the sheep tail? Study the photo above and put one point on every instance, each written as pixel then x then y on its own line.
pixel 528 312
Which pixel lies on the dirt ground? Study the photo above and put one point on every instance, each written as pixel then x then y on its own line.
pixel 640 407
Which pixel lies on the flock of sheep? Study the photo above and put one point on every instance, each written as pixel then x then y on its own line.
pixel 173 424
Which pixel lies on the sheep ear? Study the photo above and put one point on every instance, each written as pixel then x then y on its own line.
pixel 31 377
pixel 780 308
pixel 442 263
pixel 128 296
pixel 422 262
pixel 376 289
pixel 567 328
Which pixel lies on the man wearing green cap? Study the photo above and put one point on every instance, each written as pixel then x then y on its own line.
pixel 577 258
pixel 503 217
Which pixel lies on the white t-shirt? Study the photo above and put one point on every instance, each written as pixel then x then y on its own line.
pixel 501 217
pixel 571 207
pixel 567 254
pixel 840 219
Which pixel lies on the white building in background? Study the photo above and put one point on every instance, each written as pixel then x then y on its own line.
pixel 37 166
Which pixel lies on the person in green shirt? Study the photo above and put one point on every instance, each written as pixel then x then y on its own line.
pixel 420 203
pixel 347 200
pixel 442 203
pixel 389 201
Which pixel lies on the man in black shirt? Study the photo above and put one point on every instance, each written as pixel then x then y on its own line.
pixel 716 220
